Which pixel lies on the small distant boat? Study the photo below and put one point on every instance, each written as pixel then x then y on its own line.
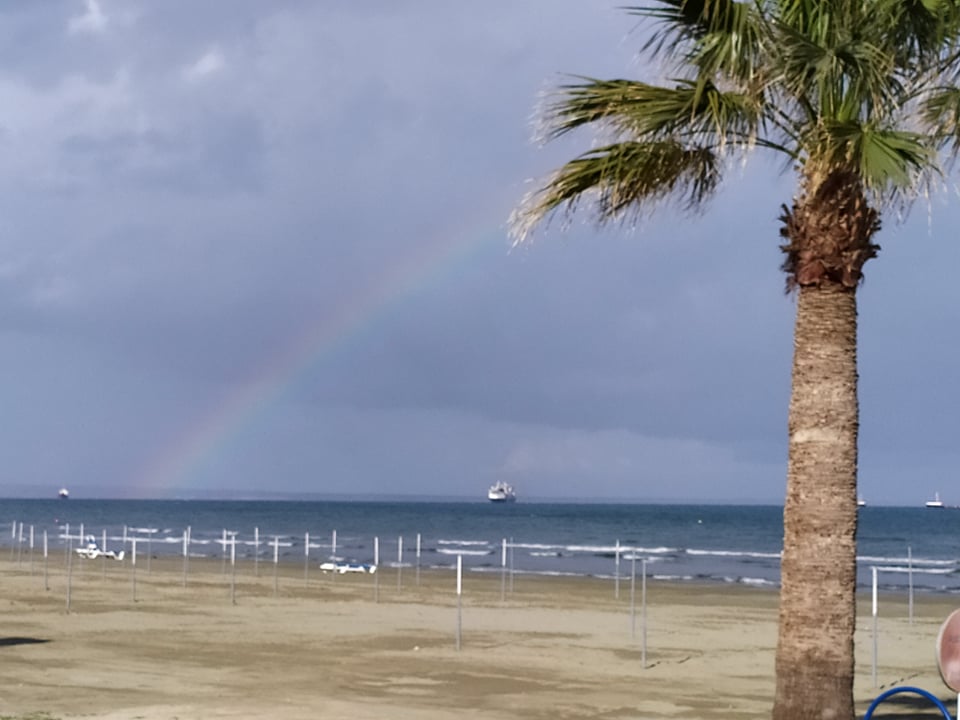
pixel 64 494
pixel 861 502
pixel 501 492
pixel 935 503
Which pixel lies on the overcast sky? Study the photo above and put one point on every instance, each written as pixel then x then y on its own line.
pixel 254 247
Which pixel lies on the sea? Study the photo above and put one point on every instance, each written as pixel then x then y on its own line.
pixel 731 544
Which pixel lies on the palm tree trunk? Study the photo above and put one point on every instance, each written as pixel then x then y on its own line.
pixel 815 662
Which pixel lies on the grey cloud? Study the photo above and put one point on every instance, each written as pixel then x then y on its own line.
pixel 223 155
pixel 343 181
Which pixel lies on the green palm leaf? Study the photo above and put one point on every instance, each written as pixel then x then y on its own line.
pixel 635 109
pixel 717 36
pixel 887 161
pixel 622 178
pixel 940 111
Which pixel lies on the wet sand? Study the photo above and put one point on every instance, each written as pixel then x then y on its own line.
pixel 145 646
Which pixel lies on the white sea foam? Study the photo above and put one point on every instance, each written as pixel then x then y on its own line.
pixel 921 571
pixel 463 542
pixel 903 560
pixel 452 551
pixel 733 553
pixel 536 546
pixel 629 557
pixel 612 549
pixel 656 550
pixel 673 578
pixel 758 582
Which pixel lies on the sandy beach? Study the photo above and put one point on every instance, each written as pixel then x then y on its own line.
pixel 242 644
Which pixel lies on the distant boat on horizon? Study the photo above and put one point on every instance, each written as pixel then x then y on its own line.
pixel 501 492
pixel 64 494
pixel 861 502
pixel 935 503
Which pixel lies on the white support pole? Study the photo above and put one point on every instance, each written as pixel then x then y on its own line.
pixel 133 565
pixel 31 549
pixel 418 559
pixel 306 557
pixel 376 565
pixel 511 565
pixel 233 570
pixel 20 545
pixel 150 532
pixel 276 562
pixel 186 554
pixel 399 562
pixel 503 569
pixel 46 583
pixel 256 552
pixel 633 595
pixel 910 584
pixel 643 613
pixel 616 572
pixel 103 546
pixel 459 596
pixel 69 572
pixel 333 554
pixel 874 674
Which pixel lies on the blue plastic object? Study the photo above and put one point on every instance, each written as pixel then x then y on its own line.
pixel 907 689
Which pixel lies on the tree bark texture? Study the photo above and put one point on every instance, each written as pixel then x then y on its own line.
pixel 815 644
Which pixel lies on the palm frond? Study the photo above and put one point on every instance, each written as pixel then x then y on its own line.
pixel 921 31
pixel 840 87
pixel 620 179
pixel 690 110
pixel 888 161
pixel 717 36
pixel 841 76
pixel 940 114
pixel 891 160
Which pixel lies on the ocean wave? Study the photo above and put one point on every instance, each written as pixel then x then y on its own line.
pixel 537 546
pixel 919 571
pixel 611 550
pixel 464 542
pixel 733 553
pixel 904 561
pixel 452 551
pixel 673 578
pixel 758 582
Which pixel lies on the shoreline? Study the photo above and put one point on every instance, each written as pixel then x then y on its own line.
pixel 683 543
pixel 358 646
pixel 287 565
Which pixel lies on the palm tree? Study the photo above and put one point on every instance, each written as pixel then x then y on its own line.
pixel 858 97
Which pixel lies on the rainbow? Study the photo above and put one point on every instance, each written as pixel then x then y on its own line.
pixel 178 465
